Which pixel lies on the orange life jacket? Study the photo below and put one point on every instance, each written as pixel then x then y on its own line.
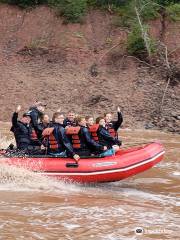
pixel 93 130
pixel 48 133
pixel 73 132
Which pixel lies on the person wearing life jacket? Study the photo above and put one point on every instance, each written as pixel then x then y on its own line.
pixel 113 126
pixel 81 139
pixel 89 121
pixel 104 137
pixel 36 113
pixel 58 142
pixel 70 121
pixel 44 121
pixel 92 127
pixel 21 129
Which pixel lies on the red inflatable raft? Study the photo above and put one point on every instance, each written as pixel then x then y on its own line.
pixel 125 163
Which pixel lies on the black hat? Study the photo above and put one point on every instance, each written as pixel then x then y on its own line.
pixel 27 114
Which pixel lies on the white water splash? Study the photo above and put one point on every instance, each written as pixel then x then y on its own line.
pixel 5 141
pixel 176 173
pixel 17 179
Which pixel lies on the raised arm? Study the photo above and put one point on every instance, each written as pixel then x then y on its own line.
pixel 15 116
pixel 119 121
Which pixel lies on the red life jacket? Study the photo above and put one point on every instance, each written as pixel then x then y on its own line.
pixel 73 132
pixel 111 130
pixel 48 134
pixel 93 130
pixel 33 135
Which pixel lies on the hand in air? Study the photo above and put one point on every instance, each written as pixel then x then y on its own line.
pixel 76 157
pixel 18 109
pixel 58 110
pixel 118 109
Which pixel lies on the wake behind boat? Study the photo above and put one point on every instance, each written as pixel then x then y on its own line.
pixel 125 163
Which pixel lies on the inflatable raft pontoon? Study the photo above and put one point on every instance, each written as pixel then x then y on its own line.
pixel 126 163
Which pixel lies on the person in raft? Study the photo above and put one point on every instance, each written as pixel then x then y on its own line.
pixel 81 139
pixel 22 130
pixel 113 126
pixel 89 121
pixel 44 122
pixel 105 138
pixel 101 135
pixel 58 143
pixel 36 112
pixel 70 121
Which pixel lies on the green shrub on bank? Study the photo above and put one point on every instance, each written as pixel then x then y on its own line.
pixel 149 10
pixel 71 10
pixel 173 12
pixel 135 42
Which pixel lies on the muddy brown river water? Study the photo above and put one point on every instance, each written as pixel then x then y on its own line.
pixel 146 206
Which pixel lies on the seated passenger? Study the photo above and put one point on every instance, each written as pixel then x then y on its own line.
pixel 58 143
pixel 89 121
pixel 82 141
pixel 70 120
pixel 113 126
pixel 21 130
pixel 36 113
pixel 104 136
pixel 45 122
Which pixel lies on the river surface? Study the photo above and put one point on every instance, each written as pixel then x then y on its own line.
pixel 37 208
